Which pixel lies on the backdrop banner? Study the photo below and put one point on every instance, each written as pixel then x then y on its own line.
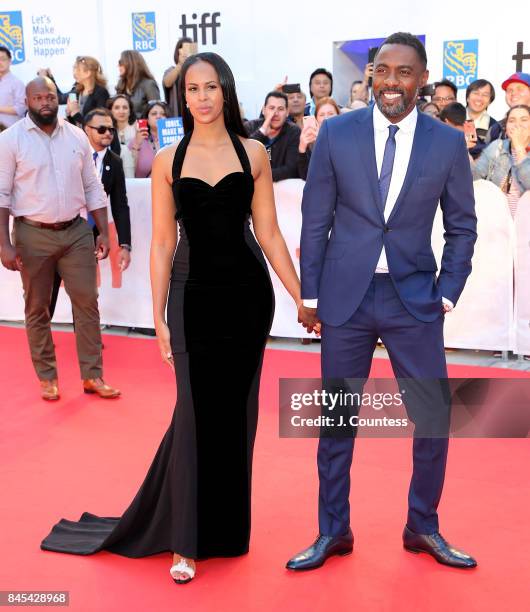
pixel 53 34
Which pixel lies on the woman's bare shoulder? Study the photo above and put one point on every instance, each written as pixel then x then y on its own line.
pixel 163 162
pixel 256 152
pixel 167 153
pixel 165 156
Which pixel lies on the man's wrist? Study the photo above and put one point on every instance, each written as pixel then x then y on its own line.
pixel 125 246
pixel 310 303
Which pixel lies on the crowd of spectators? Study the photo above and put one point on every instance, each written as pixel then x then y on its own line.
pixel 290 120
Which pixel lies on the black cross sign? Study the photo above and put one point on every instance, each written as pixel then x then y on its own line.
pixel 519 57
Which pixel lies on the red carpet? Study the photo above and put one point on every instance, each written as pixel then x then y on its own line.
pixel 83 453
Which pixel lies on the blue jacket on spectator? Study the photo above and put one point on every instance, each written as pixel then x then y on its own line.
pixel 495 163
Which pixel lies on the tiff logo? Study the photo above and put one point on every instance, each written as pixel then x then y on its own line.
pixel 208 21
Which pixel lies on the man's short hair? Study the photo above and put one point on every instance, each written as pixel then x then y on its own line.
pixel 276 94
pixel 6 51
pixel 455 113
pixel 447 83
pixel 405 38
pixel 479 84
pixel 325 73
pixel 97 112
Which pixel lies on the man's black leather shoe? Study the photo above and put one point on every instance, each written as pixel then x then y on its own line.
pixel 322 549
pixel 436 546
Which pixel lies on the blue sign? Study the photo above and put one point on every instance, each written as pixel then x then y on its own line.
pixel 461 62
pixel 144 31
pixel 170 130
pixel 12 34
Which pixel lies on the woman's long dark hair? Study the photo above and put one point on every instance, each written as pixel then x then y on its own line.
pixel 135 70
pixel 231 111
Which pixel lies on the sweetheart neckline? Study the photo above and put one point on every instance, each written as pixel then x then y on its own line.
pixel 194 178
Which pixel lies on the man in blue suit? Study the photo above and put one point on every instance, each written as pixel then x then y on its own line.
pixel 368 271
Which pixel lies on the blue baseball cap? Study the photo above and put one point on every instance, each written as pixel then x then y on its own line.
pixel 517 77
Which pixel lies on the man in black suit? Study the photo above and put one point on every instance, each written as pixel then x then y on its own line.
pixel 100 130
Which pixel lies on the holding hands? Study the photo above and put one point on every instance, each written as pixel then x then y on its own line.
pixel 308 318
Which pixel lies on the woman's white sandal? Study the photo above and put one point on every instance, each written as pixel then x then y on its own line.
pixel 182 568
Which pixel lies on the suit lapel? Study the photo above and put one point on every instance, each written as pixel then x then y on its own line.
pixel 366 137
pixel 105 174
pixel 420 146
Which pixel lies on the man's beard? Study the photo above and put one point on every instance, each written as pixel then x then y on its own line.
pixel 392 110
pixel 43 119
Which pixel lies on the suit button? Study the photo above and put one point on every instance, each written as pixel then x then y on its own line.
pixel 387 229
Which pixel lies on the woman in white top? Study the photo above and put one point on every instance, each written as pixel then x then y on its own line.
pixel 125 118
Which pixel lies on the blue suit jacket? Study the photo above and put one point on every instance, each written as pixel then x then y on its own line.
pixel 343 228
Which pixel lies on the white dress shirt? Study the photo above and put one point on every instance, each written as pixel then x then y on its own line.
pixel 48 178
pixel 99 169
pixel 404 139
pixel 99 160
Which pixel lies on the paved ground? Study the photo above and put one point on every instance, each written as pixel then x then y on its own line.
pixel 454 356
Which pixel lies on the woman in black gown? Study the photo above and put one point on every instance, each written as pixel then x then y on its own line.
pixel 195 500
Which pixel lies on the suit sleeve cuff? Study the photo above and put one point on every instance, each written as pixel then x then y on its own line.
pixel 310 303
pixel 448 303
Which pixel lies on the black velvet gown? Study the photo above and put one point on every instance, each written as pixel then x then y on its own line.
pixel 195 499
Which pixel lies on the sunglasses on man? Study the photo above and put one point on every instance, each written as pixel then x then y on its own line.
pixel 102 129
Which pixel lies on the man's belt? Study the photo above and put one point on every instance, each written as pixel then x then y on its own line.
pixel 53 226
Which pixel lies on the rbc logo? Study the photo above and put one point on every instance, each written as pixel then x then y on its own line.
pixel 11 34
pixel 460 62
pixel 144 31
